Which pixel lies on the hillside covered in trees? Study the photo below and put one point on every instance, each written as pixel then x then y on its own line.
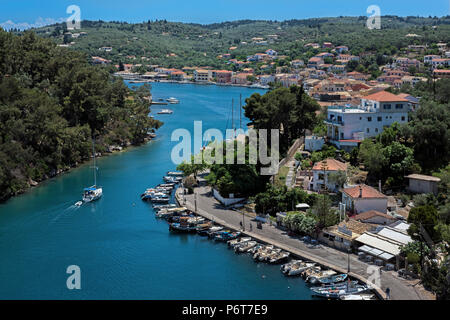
pixel 174 44
pixel 52 103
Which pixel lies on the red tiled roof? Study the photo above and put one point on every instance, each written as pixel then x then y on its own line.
pixel 330 165
pixel 350 140
pixel 367 192
pixel 315 59
pixel 384 96
pixel 370 214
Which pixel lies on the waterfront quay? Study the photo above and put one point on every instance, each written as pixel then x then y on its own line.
pixel 205 205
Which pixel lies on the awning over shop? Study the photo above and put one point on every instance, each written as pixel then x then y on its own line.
pixel 376 252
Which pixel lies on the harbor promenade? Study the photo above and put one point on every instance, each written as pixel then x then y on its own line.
pixel 210 208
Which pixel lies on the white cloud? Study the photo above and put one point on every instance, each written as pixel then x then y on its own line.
pixel 40 22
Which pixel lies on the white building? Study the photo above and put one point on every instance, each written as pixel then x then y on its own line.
pixel 266 79
pixel 271 52
pixel 430 57
pixel 347 126
pixel 440 62
pixel 321 173
pixel 201 75
pixel 297 63
pixel 363 198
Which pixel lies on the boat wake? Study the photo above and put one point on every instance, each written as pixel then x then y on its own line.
pixel 65 212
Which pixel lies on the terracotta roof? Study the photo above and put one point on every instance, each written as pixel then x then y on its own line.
pixel 367 192
pixel 350 140
pixel 357 228
pixel 331 165
pixel 384 96
pixel 370 214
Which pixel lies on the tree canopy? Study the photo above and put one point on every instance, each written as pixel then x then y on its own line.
pixel 52 103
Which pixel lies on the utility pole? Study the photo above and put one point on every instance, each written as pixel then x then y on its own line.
pixel 240 111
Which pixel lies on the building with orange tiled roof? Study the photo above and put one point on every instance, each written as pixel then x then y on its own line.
pixel 362 198
pixel 321 171
pixel 441 73
pixel 375 217
pixel 347 126
pixel 222 76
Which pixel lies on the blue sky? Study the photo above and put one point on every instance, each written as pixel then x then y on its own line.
pixel 208 11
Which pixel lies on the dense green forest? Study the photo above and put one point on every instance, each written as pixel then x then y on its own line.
pixel 52 103
pixel 199 45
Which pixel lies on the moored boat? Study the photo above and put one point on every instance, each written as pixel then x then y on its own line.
pixel 336 291
pixel 232 243
pixel 314 277
pixel 173 100
pixel 333 279
pixel 165 111
pixel 182 227
pixel 244 247
pixel 175 173
pixel 297 268
pixel 279 257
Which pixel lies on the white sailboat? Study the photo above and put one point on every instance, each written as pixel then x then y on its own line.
pixel 93 193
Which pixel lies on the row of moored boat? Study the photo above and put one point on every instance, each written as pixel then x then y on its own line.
pixel 325 283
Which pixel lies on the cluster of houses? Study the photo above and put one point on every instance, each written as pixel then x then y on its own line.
pixel 371 222
pixel 325 76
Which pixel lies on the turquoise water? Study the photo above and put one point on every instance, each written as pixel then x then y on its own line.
pixel 122 250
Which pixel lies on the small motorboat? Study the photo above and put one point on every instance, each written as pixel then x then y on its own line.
pixel 298 268
pixel 213 231
pixel 79 203
pixel 170 179
pixel 245 247
pixel 337 292
pixel 226 235
pixel 158 207
pixel 232 243
pixel 173 100
pixel 314 277
pixel 333 279
pixel 165 111
pixel 160 200
pixel 175 173
pixel 287 266
pixel 182 227
pixel 202 228
pixel 279 257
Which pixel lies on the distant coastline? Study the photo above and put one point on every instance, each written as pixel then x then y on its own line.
pixel 137 79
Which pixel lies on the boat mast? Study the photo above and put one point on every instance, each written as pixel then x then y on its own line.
pixel 93 152
pixel 232 116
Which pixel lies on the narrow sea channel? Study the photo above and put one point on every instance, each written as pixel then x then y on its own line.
pixel 122 250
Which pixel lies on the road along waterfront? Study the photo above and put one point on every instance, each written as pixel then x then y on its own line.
pixel 331 258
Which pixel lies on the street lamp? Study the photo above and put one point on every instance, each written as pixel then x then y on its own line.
pixel 195 200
